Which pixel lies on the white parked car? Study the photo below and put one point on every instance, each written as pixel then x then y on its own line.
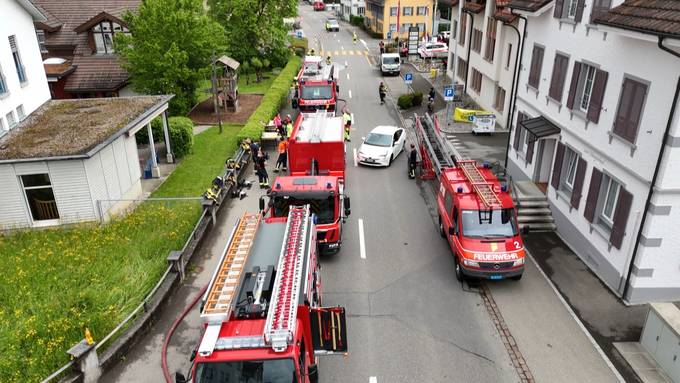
pixel 381 146
pixel 433 50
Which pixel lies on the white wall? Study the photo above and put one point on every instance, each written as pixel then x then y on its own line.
pixel 633 165
pixel 32 94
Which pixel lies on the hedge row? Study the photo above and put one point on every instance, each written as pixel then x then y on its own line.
pixel 272 102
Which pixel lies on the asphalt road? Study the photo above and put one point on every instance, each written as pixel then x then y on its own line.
pixel 408 318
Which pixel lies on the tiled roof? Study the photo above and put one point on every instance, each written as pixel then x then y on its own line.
pixel 74 127
pixel 505 16
pixel 528 5
pixel 656 17
pixel 93 72
pixel 473 7
pixel 96 72
pixel 58 70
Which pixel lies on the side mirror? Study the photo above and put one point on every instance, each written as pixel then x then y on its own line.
pixel 347 204
pixel 262 203
pixel 193 355
pixel 179 378
pixel 313 373
pixel 452 230
pixel 337 88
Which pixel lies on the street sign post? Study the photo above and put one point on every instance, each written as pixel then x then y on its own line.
pixel 449 94
pixel 413 38
pixel 408 78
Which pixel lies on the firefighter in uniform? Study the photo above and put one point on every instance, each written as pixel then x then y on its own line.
pixel 412 162
pixel 348 124
pixel 328 60
pixel 354 37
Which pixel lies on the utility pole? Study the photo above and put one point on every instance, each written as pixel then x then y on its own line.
pixel 214 92
pixel 435 24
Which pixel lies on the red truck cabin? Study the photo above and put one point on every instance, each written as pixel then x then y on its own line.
pixel 318 85
pixel 320 137
pixel 485 241
pixel 326 200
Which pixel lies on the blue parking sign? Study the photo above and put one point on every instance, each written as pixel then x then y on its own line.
pixel 448 93
pixel 408 78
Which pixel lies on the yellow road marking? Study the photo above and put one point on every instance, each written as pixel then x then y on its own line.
pixel 337 53
pixel 351 53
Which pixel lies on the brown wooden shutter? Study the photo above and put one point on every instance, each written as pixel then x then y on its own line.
pixel 557 167
pixel 595 105
pixel 530 149
pixel 579 10
pixel 621 119
pixel 536 64
pixel 558 76
pixel 559 4
pixel 518 130
pixel 620 218
pixel 573 85
pixel 578 183
pixel 632 100
pixel 593 194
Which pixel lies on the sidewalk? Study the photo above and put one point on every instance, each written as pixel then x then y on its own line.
pixel 606 318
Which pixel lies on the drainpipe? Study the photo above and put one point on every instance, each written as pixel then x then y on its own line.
pixel 656 172
pixel 467 69
pixel 515 82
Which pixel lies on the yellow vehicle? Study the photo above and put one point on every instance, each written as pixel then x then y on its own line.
pixel 332 25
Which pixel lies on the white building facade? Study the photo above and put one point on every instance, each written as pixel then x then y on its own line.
pixel 352 8
pixel 485 55
pixel 592 118
pixel 23 84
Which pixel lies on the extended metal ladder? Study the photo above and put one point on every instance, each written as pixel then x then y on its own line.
pixel 434 149
pixel 481 186
pixel 318 122
pixel 222 293
pixel 282 316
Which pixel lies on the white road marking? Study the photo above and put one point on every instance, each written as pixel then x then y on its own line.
pixel 372 379
pixel 346 65
pixel 363 42
pixel 338 40
pixel 348 76
pixel 342 47
pixel 362 244
pixel 350 93
pixel 356 164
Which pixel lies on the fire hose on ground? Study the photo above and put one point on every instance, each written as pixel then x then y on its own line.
pixel 168 335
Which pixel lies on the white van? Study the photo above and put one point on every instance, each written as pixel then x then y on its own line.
pixel 390 63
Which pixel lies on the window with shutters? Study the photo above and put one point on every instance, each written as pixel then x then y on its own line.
pixel 490 39
pixel 21 70
pixel 40 34
pixel 462 68
pixel 421 11
pixel 20 112
pixel 499 99
pixel 586 86
pixel 476 40
pixel 3 84
pixel 599 7
pixel 408 11
pixel 629 113
pixel 394 11
pixel 609 194
pixel 536 65
pixel 476 83
pixel 570 8
pixel 11 121
pixel 559 76
pixel 463 28
pixel 586 90
pixel 569 170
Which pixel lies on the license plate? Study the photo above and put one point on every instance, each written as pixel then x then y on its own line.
pixel 496 277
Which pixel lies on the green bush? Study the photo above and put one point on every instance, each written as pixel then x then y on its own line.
pixel 357 21
pixel 181 130
pixel 142 136
pixel 299 46
pixel 405 101
pixel 417 99
pixel 272 101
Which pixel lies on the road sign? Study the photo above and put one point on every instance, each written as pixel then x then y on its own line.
pixel 408 78
pixel 484 123
pixel 448 93
pixel 413 38
pixel 299 33
pixel 389 35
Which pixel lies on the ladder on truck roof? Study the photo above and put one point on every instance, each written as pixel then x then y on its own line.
pixel 317 124
pixel 483 188
pixel 223 290
pixel 279 328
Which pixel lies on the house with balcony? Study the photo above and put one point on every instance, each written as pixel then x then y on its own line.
pixel 483 53
pixel 76 42
pixel 392 18
pixel 597 128
pixel 23 86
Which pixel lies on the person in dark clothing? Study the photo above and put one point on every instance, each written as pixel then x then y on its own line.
pixel 382 90
pixel 382 47
pixel 412 162
pixel 261 169
pixel 431 95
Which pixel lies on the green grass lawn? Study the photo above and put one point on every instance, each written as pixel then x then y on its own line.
pixel 245 85
pixel 57 282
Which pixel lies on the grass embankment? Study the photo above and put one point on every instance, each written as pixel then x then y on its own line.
pixel 246 85
pixel 57 282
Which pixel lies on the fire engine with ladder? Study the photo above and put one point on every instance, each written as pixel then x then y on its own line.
pixel 476 212
pixel 317 85
pixel 316 159
pixel 262 314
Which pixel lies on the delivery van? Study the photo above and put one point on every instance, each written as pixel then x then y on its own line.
pixel 390 63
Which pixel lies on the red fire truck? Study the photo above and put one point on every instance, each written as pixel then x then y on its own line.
pixel 262 314
pixel 317 85
pixel 316 158
pixel 476 212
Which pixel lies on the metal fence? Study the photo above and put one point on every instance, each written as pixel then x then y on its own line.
pixel 210 209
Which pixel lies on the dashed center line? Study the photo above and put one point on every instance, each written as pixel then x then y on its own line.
pixel 348 76
pixel 372 379
pixel 362 247
pixel 342 47
pixel 350 93
pixel 356 164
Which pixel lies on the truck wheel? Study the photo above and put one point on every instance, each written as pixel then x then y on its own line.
pixel 441 228
pixel 459 272
pixel 517 277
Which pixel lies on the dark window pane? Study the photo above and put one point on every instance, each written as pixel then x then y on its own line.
pixel 42 204
pixel 36 180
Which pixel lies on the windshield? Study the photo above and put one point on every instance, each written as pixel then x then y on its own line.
pixel 489 223
pixel 252 371
pixel 320 92
pixel 390 60
pixel 324 208
pixel 377 139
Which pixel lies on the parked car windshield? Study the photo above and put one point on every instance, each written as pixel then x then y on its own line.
pixel 499 223
pixel 324 208
pixel 377 139
pixel 320 92
pixel 390 60
pixel 251 371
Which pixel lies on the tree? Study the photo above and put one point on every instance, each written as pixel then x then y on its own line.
pixel 255 27
pixel 169 49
